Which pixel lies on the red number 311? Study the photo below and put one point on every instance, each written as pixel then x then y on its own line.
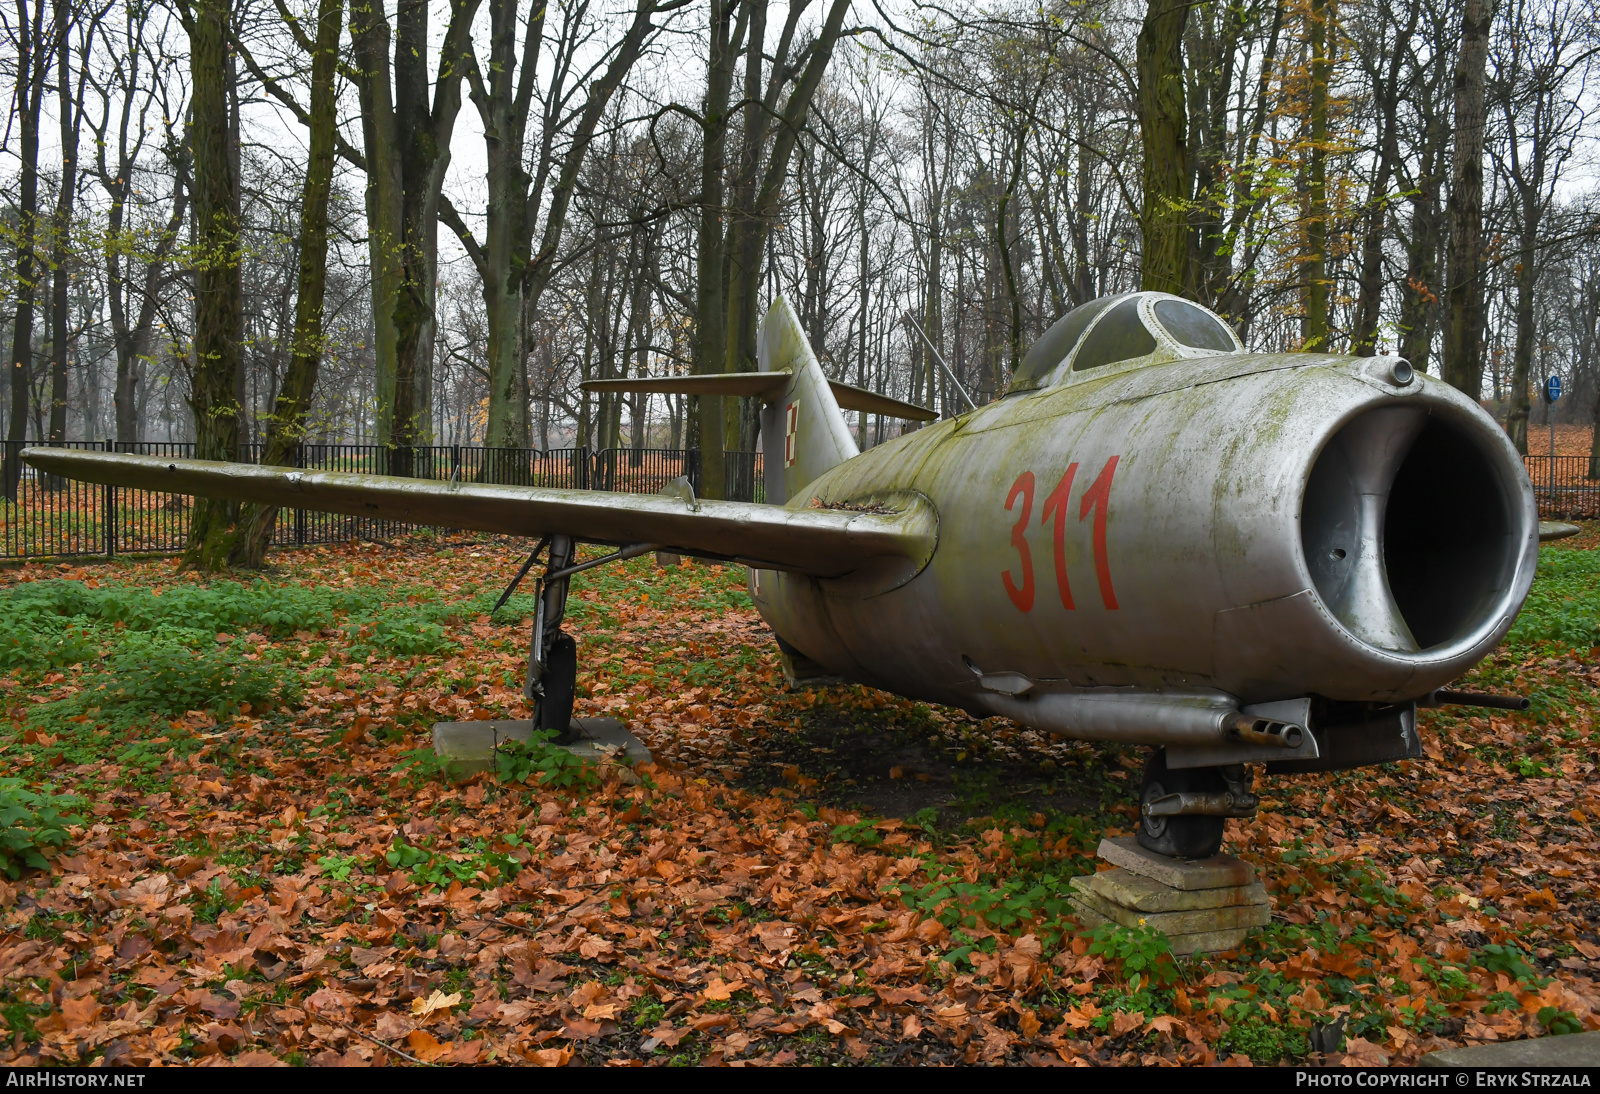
pixel 1097 497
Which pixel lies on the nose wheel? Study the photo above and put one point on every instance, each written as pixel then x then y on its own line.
pixel 1185 835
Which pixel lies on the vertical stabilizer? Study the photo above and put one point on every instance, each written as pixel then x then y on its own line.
pixel 803 432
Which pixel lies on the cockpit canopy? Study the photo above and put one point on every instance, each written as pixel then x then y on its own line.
pixel 1133 327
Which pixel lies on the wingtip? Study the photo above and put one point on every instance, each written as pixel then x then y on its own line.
pixel 1550 530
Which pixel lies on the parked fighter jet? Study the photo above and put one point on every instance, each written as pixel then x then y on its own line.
pixel 1154 537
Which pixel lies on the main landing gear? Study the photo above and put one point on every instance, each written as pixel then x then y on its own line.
pixel 552 682
pixel 1182 810
pixel 552 654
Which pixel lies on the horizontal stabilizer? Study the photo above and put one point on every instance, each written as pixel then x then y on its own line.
pixel 824 543
pixel 851 397
pixel 755 384
pixel 766 386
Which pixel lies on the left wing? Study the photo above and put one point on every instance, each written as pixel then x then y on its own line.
pixel 826 543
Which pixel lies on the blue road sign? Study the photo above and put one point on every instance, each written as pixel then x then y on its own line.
pixel 1552 389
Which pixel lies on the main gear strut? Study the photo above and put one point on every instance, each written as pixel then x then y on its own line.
pixel 553 654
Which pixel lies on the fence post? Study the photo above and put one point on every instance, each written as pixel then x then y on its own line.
pixel 300 514
pixel 110 517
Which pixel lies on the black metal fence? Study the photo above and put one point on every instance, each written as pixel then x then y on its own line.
pixel 1564 488
pixel 56 517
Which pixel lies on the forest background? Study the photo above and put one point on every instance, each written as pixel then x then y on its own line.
pixel 273 223
pixel 269 223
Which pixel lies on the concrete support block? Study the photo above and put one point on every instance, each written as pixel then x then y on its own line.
pixel 1145 894
pixel 1570 1050
pixel 1203 906
pixel 1183 945
pixel 1221 918
pixel 1215 872
pixel 467 748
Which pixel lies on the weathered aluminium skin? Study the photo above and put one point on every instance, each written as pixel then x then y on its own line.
pixel 1203 582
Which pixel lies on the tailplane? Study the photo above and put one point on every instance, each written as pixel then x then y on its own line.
pixel 803 432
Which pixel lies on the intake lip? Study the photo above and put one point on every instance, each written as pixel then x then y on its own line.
pixel 1418 530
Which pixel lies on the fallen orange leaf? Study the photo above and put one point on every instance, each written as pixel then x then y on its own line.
pixel 424 1046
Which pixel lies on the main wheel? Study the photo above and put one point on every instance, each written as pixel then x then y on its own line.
pixel 1178 837
pixel 560 687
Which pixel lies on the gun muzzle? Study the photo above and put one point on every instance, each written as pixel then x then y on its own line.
pixel 1263 731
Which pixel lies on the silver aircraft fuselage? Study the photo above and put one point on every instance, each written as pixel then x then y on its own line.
pixel 1268 526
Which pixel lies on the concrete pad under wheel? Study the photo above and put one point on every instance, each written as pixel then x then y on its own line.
pixel 467 748
pixel 1143 894
pixel 1569 1050
pixel 1178 922
pixel 1215 872
pixel 1182 945
pixel 1202 906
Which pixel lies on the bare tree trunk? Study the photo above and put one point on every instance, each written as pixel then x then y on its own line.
pixel 1212 39
pixel 1003 244
pixel 504 104
pixel 1164 220
pixel 70 113
pixel 287 425
pixel 1590 338
pixel 1386 90
pixel 369 37
pixel 407 152
pixel 639 327
pixel 1463 321
pixel 32 65
pixel 131 337
pixel 219 318
pixel 1316 258
pixel 710 329
pixel 864 286
pixel 747 234
pixel 1419 300
pixel 514 277
pixel 1527 277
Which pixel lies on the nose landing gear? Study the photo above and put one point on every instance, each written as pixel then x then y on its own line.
pixel 1182 810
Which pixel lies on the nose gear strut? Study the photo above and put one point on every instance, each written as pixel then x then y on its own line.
pixel 1181 811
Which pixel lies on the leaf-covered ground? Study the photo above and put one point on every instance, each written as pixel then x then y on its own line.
pixel 249 856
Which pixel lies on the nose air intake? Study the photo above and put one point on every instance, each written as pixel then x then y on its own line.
pixel 1409 530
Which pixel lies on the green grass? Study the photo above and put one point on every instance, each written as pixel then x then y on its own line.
pixel 50 624
pixel 1564 604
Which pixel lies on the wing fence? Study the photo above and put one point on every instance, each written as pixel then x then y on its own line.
pixel 52 517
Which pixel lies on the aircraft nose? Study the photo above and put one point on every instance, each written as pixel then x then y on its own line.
pixel 1412 526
